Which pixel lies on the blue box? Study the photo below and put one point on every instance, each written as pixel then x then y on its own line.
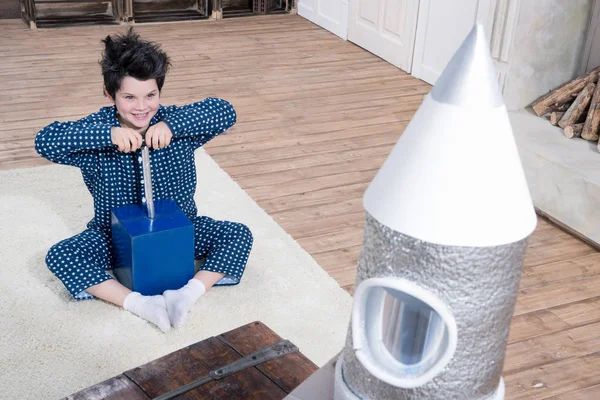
pixel 152 255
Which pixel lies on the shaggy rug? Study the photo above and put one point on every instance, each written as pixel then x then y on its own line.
pixel 52 346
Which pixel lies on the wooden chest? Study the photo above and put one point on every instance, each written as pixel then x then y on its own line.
pixel 273 379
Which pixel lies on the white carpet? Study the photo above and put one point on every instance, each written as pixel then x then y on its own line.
pixel 52 346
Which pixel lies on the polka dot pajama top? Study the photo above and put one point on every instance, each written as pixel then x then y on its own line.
pixel 115 178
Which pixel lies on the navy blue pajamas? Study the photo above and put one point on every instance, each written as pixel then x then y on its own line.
pixel 115 179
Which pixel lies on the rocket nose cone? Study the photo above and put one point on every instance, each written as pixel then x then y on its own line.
pixel 470 79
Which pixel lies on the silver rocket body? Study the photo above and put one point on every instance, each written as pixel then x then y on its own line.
pixel 479 285
pixel 448 218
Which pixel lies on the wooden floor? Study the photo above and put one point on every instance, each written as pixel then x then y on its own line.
pixel 317 117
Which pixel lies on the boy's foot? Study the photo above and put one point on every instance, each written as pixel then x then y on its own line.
pixel 150 308
pixel 179 302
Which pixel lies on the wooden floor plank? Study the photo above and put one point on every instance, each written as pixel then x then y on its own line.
pixel 589 393
pixel 555 379
pixel 548 349
pixel 585 265
pixel 559 293
pixel 579 313
pixel 537 323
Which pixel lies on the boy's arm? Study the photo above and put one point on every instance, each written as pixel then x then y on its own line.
pixel 72 143
pixel 200 121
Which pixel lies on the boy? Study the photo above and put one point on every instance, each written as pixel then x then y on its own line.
pixel 106 147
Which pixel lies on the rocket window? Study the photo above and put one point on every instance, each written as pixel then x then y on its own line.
pixel 411 331
pixel 402 333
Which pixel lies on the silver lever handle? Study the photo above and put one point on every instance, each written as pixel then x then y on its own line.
pixel 148 182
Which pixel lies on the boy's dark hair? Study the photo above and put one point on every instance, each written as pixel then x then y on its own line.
pixel 129 55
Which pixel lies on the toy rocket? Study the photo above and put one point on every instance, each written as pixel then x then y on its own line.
pixel 448 218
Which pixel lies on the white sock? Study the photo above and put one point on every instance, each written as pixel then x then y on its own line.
pixel 180 302
pixel 150 308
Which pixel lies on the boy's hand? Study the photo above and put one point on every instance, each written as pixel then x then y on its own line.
pixel 126 139
pixel 158 136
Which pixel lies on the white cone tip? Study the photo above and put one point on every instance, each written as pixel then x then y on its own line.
pixel 470 79
pixel 455 177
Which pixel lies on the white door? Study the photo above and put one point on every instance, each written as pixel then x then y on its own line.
pixel 441 28
pixel 385 28
pixel 330 14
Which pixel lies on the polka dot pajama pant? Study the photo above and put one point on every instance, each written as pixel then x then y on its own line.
pixel 82 260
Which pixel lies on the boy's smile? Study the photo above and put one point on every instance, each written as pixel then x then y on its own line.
pixel 137 102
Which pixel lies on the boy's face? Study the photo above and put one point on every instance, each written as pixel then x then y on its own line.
pixel 137 102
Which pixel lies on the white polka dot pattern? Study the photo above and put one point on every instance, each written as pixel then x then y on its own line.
pixel 115 179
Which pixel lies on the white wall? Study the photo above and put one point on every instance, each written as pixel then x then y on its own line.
pixel 546 50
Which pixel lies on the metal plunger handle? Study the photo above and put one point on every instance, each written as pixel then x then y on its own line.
pixel 147 182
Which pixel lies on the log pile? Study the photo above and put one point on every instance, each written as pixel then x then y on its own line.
pixel 574 106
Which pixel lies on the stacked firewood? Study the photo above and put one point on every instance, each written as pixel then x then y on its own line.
pixel 574 106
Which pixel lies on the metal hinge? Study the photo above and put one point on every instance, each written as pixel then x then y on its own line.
pixel 268 353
